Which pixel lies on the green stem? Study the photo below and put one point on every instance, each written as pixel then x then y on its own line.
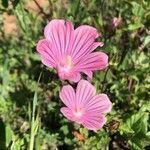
pixel 104 80
pixel 33 121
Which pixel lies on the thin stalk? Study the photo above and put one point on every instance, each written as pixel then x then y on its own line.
pixel 104 80
pixel 33 121
pixel 41 9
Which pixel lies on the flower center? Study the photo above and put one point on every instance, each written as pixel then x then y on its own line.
pixel 65 67
pixel 78 112
pixel 66 64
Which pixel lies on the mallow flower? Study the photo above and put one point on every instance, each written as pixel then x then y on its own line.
pixel 116 22
pixel 84 106
pixel 70 51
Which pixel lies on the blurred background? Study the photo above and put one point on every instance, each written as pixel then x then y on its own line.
pixel 125 29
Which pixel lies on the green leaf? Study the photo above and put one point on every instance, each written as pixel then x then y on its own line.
pixel 138 122
pixel 137 9
pixel 64 129
pixel 136 128
pixel 146 107
pixel 9 135
pixel 147 40
pixel 135 26
pixel 135 144
pixel 37 143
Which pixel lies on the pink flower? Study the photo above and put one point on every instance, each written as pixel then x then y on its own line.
pixel 70 51
pixel 116 22
pixel 85 107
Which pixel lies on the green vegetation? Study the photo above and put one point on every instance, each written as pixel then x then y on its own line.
pixel 29 102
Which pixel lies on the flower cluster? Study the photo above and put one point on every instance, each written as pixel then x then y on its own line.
pixel 70 52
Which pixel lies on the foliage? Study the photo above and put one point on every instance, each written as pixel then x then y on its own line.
pixel 126 81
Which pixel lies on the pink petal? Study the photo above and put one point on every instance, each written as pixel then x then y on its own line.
pixel 67 113
pixel 46 62
pixel 96 44
pixel 67 95
pixel 94 61
pixel 85 91
pixel 60 33
pixel 84 41
pixel 75 77
pixel 44 48
pixel 89 74
pixel 99 104
pixel 93 122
